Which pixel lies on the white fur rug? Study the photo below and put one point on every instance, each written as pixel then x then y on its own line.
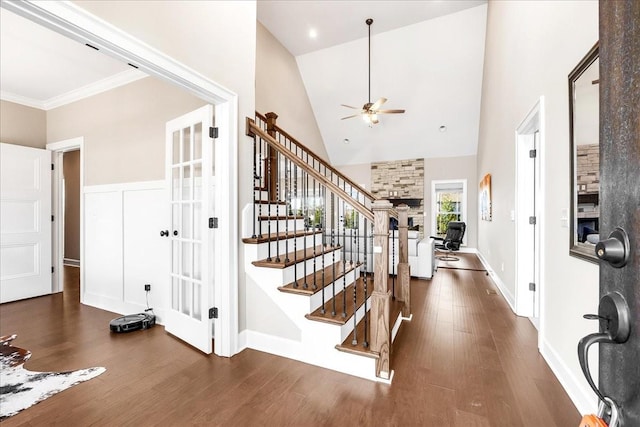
pixel 20 388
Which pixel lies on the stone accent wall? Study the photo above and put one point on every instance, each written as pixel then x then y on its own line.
pixel 402 179
pixel 588 168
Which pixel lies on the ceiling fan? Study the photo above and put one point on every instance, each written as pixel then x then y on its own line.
pixel 370 111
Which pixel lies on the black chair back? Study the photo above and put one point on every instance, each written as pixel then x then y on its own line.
pixel 455 232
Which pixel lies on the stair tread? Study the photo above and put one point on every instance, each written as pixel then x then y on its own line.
pixel 316 278
pixel 280 236
pixel 294 257
pixel 347 345
pixel 338 318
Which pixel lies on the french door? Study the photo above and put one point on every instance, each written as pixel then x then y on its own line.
pixel 190 174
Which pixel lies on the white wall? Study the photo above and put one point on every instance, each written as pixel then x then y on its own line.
pixel 531 47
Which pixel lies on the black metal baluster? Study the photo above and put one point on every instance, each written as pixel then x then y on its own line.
pixel 268 181
pixel 393 263
pixel 355 287
pixel 295 223
pixel 324 241
pixel 365 343
pixel 287 197
pixel 313 230
pixel 277 207
pixel 305 214
pixel 255 176
pixel 260 187
pixel 333 256
pixel 344 260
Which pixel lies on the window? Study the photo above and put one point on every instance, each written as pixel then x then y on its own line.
pixel 448 203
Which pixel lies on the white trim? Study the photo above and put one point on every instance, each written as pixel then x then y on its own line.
pixel 70 20
pixel 585 401
pixel 498 282
pixel 125 186
pixel 463 207
pixel 112 82
pixel 534 121
pixel 57 238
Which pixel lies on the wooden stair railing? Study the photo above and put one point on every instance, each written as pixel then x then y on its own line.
pixel 288 173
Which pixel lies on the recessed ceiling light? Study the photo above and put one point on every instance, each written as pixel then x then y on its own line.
pixel 346 140
pixel 313 33
pixel 443 128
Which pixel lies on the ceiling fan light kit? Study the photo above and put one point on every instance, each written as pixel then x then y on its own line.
pixel 369 110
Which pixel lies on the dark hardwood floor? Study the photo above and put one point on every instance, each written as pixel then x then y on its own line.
pixel 464 360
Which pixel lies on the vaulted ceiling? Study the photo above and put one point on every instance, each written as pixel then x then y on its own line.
pixel 426 57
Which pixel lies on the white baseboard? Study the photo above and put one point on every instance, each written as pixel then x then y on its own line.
pixel 584 400
pixel 508 296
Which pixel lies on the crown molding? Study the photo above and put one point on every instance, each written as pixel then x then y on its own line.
pixel 117 80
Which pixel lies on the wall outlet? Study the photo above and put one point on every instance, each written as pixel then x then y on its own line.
pixel 147 287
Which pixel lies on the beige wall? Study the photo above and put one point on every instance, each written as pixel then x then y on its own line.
pixel 449 168
pixel 21 125
pixel 531 47
pixel 216 39
pixel 435 169
pixel 123 129
pixel 279 88
pixel 71 173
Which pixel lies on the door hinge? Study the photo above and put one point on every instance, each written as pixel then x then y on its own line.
pixel 213 222
pixel 533 154
pixel 52 166
pixel 53 218
pixel 53 270
pixel 213 313
pixel 213 132
pixel 532 286
pixel 532 220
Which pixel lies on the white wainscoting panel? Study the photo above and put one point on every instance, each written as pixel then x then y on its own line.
pixel 123 248
pixel 103 248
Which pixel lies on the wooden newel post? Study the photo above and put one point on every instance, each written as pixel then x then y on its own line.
pixel 381 296
pixel 404 272
pixel 272 161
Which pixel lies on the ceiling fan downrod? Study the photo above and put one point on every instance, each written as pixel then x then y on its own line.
pixel 369 21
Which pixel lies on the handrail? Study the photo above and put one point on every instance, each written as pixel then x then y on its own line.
pixel 321 161
pixel 251 125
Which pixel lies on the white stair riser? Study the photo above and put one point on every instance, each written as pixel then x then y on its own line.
pixel 280 225
pixel 273 209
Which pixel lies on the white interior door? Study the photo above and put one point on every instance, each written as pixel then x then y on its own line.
pixel 25 222
pixel 190 175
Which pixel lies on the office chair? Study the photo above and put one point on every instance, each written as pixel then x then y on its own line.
pixel 451 241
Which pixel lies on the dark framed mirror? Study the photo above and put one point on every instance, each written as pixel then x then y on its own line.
pixel 584 110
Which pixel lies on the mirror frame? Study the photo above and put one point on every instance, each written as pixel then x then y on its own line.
pixel 575 249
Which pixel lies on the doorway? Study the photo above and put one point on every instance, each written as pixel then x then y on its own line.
pixel 71 149
pixel 529 214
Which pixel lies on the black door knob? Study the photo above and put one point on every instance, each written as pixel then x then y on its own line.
pixel 615 249
pixel 175 232
pixel 164 233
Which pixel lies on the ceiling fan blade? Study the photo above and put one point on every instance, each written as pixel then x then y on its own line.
pixel 348 117
pixel 378 104
pixel 349 106
pixel 389 111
